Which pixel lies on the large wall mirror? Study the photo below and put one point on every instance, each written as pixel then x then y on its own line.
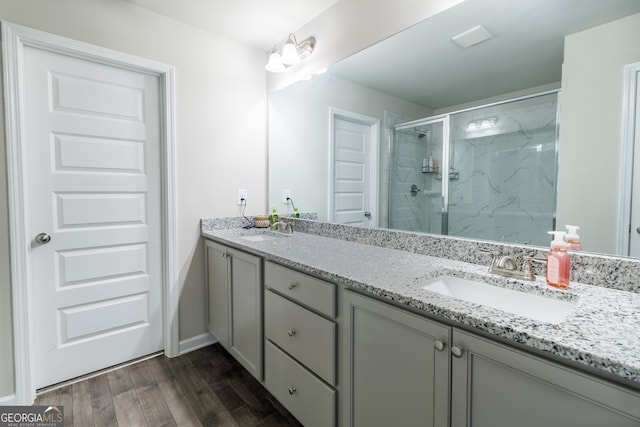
pixel 411 98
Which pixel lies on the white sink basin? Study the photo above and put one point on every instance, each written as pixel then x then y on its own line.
pixel 537 307
pixel 262 237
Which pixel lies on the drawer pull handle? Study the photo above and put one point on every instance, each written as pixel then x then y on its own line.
pixel 291 332
pixel 292 390
pixel 292 286
pixel 439 345
pixel 456 351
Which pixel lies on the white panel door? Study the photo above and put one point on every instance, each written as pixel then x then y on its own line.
pixel 634 238
pixel 351 173
pixel 93 159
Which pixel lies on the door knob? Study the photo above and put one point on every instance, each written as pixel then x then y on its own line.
pixel 638 230
pixel 367 214
pixel 43 238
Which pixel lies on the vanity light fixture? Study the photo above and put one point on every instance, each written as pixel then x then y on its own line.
pixel 481 124
pixel 292 53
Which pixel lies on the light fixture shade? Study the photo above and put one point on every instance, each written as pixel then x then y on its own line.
pixel 290 51
pixel 275 64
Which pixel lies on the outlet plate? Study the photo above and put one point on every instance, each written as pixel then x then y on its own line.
pixel 285 195
pixel 242 194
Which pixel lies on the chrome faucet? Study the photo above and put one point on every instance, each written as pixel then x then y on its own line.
pixel 505 265
pixel 288 227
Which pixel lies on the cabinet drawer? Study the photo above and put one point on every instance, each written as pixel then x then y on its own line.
pixel 308 337
pixel 311 401
pixel 307 290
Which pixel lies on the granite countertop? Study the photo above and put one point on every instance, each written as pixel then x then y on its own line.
pixel 601 331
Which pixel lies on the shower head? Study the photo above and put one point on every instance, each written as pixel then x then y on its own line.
pixel 421 133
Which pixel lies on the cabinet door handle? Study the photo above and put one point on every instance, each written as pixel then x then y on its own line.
pixel 291 332
pixel 292 285
pixel 456 351
pixel 292 390
pixel 439 345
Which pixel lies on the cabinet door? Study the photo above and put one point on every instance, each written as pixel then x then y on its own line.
pixel 218 291
pixel 394 373
pixel 495 385
pixel 245 333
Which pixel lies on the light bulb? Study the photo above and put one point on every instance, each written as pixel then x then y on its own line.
pixel 290 52
pixel 275 64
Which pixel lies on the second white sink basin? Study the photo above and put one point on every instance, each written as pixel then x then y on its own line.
pixel 536 307
pixel 258 237
pixel 262 237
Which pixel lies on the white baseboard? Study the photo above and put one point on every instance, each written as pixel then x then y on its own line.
pixel 9 399
pixel 194 343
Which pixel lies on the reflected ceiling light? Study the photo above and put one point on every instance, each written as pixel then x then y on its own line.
pixel 292 53
pixel 481 124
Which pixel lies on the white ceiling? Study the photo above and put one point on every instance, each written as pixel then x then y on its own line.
pixel 257 23
pixel 423 65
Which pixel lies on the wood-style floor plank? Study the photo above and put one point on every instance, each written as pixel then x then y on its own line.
pixel 82 406
pixel 203 388
pixel 104 413
pixel 178 404
pixel 154 406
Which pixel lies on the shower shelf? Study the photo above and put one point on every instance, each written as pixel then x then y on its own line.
pixel 454 175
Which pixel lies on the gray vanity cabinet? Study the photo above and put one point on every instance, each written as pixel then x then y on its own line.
pixel 396 366
pixel 494 385
pixel 301 335
pixel 395 374
pixel 234 283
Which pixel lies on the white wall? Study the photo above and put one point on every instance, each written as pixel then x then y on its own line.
pixel 299 135
pixel 221 129
pixel 590 129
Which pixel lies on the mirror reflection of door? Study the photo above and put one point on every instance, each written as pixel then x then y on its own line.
pixel 354 178
pixel 634 127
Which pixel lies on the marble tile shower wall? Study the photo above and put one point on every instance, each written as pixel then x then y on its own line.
pixel 506 190
pixel 419 211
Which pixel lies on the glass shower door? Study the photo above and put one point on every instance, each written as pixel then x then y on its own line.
pixel 502 182
pixel 417 191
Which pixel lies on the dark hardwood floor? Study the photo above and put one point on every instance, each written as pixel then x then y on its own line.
pixel 206 387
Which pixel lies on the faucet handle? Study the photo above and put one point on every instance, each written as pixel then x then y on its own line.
pixel 526 266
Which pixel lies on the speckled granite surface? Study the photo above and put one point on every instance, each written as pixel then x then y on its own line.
pixel 601 331
pixel 597 270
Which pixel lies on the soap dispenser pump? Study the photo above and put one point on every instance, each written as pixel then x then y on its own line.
pixel 558 264
pixel 572 238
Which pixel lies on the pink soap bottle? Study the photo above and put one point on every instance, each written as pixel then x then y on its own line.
pixel 572 238
pixel 558 264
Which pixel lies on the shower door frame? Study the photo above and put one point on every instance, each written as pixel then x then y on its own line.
pixel 446 161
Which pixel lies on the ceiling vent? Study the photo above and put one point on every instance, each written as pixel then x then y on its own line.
pixel 472 36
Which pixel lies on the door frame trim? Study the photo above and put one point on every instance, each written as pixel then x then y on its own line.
pixel 627 152
pixel 14 39
pixel 374 155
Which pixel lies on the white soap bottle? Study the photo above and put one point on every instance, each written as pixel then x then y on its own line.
pixel 572 238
